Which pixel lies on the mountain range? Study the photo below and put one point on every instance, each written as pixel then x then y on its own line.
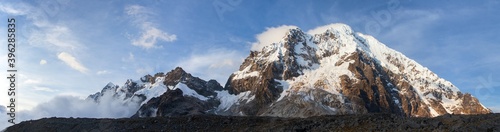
pixel 333 72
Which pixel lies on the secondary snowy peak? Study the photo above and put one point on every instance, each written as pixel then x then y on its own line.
pixel 338 71
pixel 151 91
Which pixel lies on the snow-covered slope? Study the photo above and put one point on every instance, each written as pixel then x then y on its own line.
pixel 339 71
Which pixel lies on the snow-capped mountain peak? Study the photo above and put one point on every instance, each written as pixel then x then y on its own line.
pixel 328 70
pixel 355 72
pixel 149 91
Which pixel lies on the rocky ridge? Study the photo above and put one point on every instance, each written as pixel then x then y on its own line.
pixel 365 122
pixel 335 72
pixel 341 72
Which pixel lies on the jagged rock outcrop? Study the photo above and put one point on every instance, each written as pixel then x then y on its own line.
pixel 175 93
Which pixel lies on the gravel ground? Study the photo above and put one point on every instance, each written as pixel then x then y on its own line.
pixel 368 122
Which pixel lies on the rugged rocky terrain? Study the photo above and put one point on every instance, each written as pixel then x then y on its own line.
pixel 338 71
pixel 332 72
pixel 312 75
pixel 171 94
pixel 366 122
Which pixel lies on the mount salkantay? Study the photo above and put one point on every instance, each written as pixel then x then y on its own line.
pixel 336 72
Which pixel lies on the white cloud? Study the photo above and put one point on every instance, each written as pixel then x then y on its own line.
pixel 102 72
pixel 72 62
pixel 43 62
pixel 271 35
pixel 150 34
pixel 216 64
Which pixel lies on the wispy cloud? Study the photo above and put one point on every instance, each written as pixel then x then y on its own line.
pixel 72 62
pixel 150 34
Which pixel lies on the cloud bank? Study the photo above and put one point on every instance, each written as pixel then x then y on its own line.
pixel 72 106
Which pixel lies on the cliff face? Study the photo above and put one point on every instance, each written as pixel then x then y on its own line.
pixel 340 72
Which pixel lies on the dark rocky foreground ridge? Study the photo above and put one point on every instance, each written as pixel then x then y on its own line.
pixel 365 122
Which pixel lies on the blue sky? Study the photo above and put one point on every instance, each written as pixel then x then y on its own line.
pixel 75 48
